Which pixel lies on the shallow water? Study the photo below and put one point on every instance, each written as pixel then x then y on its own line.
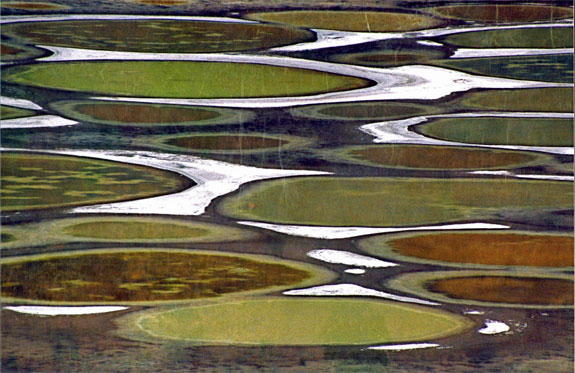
pixel 344 187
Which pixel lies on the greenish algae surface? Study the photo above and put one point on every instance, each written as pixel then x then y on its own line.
pixel 122 229
pixel 532 37
pixel 280 321
pixel 536 99
pixel 135 114
pixel 146 276
pixel 504 13
pixel 179 79
pixel 157 36
pixel 342 201
pixel 490 288
pixel 501 131
pixel 32 181
pixel 364 21
pixel 555 68
pixel 437 157
pixel 10 112
pixel 475 249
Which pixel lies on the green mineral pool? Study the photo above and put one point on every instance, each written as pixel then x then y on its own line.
pixel 156 35
pixel 501 131
pixel 11 112
pixel 180 79
pixel 373 201
pixel 364 21
pixel 139 229
pixel 532 37
pixel 34 181
pixel 293 322
pixel 535 99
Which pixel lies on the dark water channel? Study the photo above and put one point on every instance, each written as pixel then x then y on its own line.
pixel 355 187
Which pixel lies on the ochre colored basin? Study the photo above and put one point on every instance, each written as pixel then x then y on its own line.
pixel 475 249
pixel 146 276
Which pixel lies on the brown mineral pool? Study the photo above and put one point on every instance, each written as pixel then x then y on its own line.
pixel 485 248
pixel 523 289
pixel 498 13
pixel 140 275
pixel 24 5
pixel 129 113
pixel 507 289
pixel 226 142
pixel 437 157
pixel 6 49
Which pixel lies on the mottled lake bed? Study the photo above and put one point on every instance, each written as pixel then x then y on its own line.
pixel 280 187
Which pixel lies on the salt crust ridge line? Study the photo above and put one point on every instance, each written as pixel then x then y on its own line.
pixel 348 258
pixel 403 347
pixel 404 82
pixel 397 131
pixel 98 17
pixel 352 290
pixel 64 311
pixel 505 52
pixel 334 38
pixel 19 103
pixel 213 178
pixel 336 233
pixel 537 177
pixel 36 122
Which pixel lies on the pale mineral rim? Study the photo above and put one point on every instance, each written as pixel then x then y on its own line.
pixel 352 290
pixel 348 258
pixel 336 233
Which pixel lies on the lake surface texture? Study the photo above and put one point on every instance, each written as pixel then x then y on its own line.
pixel 259 186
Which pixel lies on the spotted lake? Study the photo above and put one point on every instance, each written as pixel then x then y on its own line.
pixel 343 186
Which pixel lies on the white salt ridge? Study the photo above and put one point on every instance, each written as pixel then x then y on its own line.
pixel 213 178
pixel 403 347
pixel 351 290
pixel 494 327
pixel 429 43
pixel 336 233
pixel 36 122
pixel 114 17
pixel 64 311
pixel 348 258
pixel 398 131
pixel 335 38
pixel 506 52
pixel 355 271
pixel 405 82
pixel 19 103
pixel 538 177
